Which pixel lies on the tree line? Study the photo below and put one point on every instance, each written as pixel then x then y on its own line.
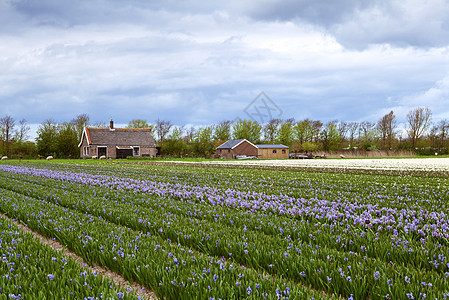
pixel 303 136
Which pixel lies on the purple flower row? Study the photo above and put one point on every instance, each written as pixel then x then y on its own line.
pixel 420 222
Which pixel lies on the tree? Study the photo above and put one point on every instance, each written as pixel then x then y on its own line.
pixel 353 128
pixel 174 144
pixel 418 122
pixel 99 124
pixel 330 136
pixel 79 123
pixel 316 129
pixel 7 124
pixel 46 138
pixel 222 131
pixel 270 130
pixel 22 133
pixel 67 140
pixel 162 129
pixel 386 127
pixel 285 134
pixel 309 147
pixel 303 131
pixel 367 132
pixel 190 134
pixel 443 132
pixel 138 123
pixel 203 144
pixel 247 129
pixel 343 128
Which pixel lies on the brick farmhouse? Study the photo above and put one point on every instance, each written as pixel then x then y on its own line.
pixel 233 148
pixel 113 142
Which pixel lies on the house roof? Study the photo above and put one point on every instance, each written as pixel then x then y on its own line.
pixel 231 144
pixel 274 146
pixel 142 137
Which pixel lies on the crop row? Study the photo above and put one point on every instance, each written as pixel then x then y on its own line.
pixel 32 270
pixel 358 209
pixel 171 270
pixel 344 260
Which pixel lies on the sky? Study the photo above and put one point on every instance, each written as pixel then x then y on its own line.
pixel 200 62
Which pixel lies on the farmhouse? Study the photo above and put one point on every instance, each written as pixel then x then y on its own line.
pixel 113 142
pixel 234 148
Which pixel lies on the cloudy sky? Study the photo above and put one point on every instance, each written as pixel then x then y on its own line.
pixel 199 62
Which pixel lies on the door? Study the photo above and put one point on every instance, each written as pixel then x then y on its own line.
pixel 101 151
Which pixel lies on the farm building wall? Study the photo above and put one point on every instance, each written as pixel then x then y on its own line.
pixel 111 152
pixel 148 151
pixel 225 153
pixel 244 148
pixel 269 153
pixel 91 150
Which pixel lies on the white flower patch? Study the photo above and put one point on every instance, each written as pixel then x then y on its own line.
pixel 423 164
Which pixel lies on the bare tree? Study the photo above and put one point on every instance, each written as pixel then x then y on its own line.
pixel 386 126
pixel 7 124
pixel 343 128
pixel 367 131
pixel 432 136
pixel 443 132
pixel 353 128
pixel 99 124
pixel 162 129
pixel 419 121
pixel 189 134
pixel 22 133
pixel 80 122
pixel 316 128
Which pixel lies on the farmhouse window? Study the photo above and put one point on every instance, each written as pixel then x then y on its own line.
pixel 274 151
pixel 136 151
pixel 283 151
pixel 85 150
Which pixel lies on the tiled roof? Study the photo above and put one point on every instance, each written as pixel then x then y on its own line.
pixel 120 137
pixel 275 146
pixel 230 144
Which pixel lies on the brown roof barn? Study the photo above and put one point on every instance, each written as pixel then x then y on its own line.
pixel 113 142
pixel 244 148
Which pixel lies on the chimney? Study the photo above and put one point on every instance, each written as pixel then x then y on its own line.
pixel 111 124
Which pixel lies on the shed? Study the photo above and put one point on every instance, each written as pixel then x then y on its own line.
pixel 233 148
pixel 272 151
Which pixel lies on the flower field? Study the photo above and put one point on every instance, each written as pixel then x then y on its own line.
pixel 412 164
pixel 188 232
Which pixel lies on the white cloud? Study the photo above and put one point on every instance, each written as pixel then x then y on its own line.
pixel 205 65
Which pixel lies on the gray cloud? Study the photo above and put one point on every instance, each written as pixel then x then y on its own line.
pixel 358 23
pixel 196 63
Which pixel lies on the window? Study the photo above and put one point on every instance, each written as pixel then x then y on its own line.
pixel 274 151
pixel 136 151
pixel 85 150
pixel 229 150
pixel 283 151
